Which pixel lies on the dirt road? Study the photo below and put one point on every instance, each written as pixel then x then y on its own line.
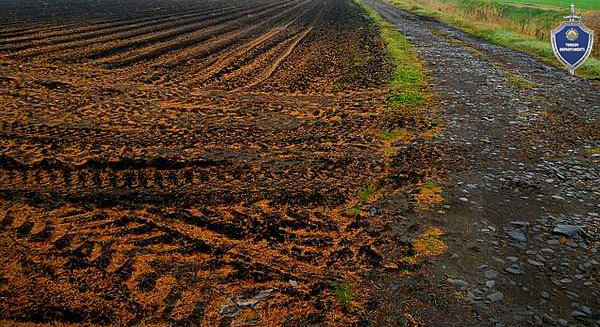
pixel 528 141
pixel 178 163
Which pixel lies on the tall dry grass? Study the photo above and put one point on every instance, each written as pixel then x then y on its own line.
pixel 493 17
pixel 592 20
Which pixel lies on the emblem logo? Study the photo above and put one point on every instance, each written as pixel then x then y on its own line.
pixel 572 34
pixel 572 42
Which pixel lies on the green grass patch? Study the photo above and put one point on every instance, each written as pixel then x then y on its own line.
pixel 354 211
pixel 364 194
pixel 431 184
pixel 579 4
pixel 391 135
pixel 518 81
pixel 344 293
pixel 363 198
pixel 407 79
pixel 411 99
pixel 592 151
pixel 396 135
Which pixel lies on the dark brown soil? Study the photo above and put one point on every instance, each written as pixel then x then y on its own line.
pixel 162 162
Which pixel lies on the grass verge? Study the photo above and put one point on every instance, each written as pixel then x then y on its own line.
pixel 520 28
pixel 408 102
pixel 407 79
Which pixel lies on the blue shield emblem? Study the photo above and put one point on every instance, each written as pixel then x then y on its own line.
pixel 572 42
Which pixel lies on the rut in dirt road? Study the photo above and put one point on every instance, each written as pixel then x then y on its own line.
pixel 530 144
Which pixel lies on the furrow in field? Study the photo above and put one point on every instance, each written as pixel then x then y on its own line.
pixel 240 71
pixel 114 33
pixel 209 57
pixel 228 33
pixel 104 17
pixel 266 74
pixel 220 63
pixel 35 27
pixel 39 29
pixel 112 44
pixel 65 35
pixel 257 66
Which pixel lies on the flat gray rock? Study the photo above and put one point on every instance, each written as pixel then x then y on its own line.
pixel 459 283
pixel 519 223
pixel 535 263
pixel 514 269
pixel 517 236
pixel 228 310
pixel 495 297
pixel 567 230
pixel 578 314
pixel 490 274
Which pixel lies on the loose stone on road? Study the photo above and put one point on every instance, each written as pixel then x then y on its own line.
pixel 523 196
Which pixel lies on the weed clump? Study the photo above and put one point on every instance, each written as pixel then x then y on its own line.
pixel 344 293
pixel 430 244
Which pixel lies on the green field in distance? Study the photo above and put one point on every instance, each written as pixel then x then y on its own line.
pixel 558 4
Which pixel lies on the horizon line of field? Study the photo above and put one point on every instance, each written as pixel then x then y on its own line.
pixel 176 36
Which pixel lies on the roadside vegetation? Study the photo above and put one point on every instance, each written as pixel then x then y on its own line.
pixel 407 101
pixel 516 25
pixel 407 79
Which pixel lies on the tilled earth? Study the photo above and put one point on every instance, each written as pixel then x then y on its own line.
pixel 177 163
pixel 529 141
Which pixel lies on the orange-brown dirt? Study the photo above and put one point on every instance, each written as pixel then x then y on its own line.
pixel 167 163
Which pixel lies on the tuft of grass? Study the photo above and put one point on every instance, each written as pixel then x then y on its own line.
pixel 344 293
pixel 364 193
pixel 408 260
pixel 431 184
pixel 354 211
pixel 593 151
pixel 411 99
pixel 396 135
pixel 430 194
pixel 430 244
pixel 519 81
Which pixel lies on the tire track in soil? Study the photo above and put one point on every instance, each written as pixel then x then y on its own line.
pixel 145 203
pixel 238 61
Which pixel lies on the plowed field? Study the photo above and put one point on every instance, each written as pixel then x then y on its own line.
pixel 182 163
